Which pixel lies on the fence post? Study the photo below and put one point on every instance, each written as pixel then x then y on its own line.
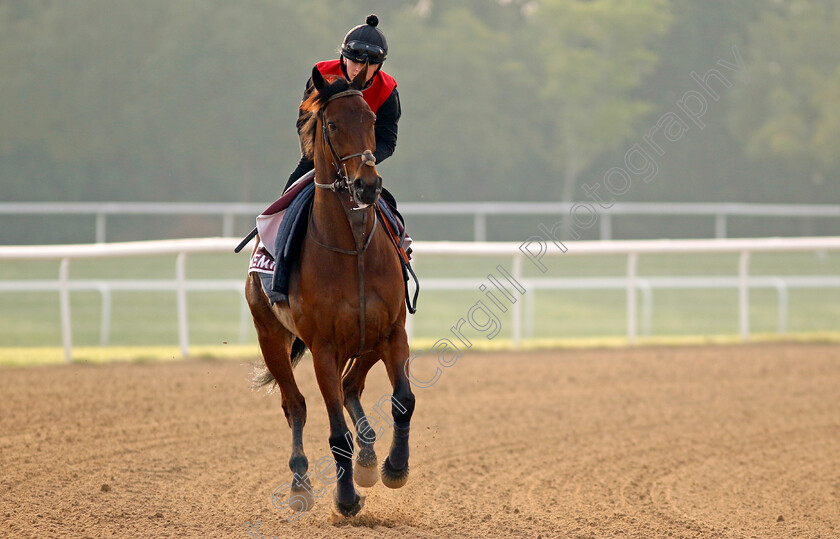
pixel 606 226
pixel 105 323
pixel 64 306
pixel 743 295
pixel 647 305
pixel 227 225
pixel 480 225
pixel 632 262
pixel 244 318
pixel 181 284
pixel 530 301
pixel 720 225
pixel 100 227
pixel 517 307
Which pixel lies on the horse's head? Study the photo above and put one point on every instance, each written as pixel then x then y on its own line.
pixel 338 128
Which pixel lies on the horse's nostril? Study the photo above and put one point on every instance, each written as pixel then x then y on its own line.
pixel 360 185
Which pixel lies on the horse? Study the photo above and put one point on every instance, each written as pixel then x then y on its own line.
pixel 345 301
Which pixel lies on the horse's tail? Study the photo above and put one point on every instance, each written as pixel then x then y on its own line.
pixel 261 376
pixel 298 349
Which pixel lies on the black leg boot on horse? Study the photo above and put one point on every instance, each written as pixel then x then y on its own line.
pixel 395 467
pixel 365 472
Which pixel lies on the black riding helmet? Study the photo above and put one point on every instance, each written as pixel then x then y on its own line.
pixel 365 42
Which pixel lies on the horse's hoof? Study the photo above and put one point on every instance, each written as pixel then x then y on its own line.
pixel 391 477
pixel 352 509
pixel 366 476
pixel 366 471
pixel 301 500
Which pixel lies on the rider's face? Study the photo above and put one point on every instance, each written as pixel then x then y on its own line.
pixel 353 69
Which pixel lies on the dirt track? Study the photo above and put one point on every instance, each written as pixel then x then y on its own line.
pixel 652 442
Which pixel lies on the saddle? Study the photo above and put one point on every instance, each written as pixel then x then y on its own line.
pixel 282 229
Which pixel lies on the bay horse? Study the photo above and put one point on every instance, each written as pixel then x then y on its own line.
pixel 345 300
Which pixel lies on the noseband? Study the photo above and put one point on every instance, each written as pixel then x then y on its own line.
pixel 342 181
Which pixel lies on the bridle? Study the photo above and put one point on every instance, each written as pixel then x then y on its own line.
pixel 340 183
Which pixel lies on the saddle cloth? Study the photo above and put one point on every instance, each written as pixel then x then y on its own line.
pixel 282 229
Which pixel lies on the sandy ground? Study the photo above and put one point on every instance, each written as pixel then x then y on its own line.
pixel 739 441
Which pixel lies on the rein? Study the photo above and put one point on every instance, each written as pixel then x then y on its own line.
pixel 339 162
pixel 339 250
pixel 340 183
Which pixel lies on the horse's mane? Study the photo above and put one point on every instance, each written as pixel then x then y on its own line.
pixel 308 118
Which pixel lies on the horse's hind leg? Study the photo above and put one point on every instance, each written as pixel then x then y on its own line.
pixel 365 473
pixel 276 345
pixel 395 356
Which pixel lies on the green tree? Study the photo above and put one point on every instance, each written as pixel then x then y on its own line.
pixel 789 114
pixel 467 130
pixel 708 164
pixel 591 55
pixel 155 100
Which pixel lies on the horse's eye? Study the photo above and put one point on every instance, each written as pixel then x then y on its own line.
pixel 332 127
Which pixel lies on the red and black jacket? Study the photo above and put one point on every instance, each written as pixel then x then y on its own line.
pixel 381 95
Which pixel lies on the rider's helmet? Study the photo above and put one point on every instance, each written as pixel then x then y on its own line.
pixel 365 42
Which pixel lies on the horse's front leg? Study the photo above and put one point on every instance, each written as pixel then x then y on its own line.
pixel 348 501
pixel 366 472
pixel 395 355
pixel 276 346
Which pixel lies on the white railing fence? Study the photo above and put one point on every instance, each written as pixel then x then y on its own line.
pixel 520 254
pixel 479 211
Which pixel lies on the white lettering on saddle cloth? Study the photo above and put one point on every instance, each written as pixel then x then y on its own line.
pixel 261 261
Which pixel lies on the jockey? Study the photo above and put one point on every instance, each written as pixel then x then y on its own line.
pixel 364 43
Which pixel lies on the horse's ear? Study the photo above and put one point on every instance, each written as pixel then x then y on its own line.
pixel 318 79
pixel 361 78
